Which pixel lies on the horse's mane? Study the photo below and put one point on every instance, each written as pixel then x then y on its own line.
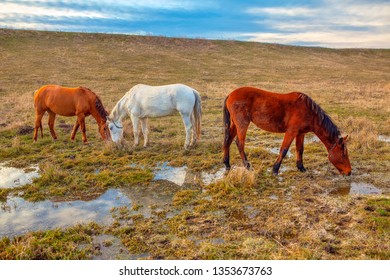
pixel 322 117
pixel 100 108
pixel 98 104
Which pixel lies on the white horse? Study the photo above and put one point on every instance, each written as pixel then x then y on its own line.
pixel 143 101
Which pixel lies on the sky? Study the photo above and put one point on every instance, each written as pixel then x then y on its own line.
pixel 322 23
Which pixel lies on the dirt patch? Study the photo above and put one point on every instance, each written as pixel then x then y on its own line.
pixel 25 130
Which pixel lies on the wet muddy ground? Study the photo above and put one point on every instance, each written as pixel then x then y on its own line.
pixel 18 216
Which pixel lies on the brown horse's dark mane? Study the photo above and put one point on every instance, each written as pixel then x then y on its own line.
pixel 99 107
pixel 322 117
pixel 98 104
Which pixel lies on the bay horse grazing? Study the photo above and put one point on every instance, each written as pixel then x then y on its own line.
pixel 144 101
pixel 80 102
pixel 293 114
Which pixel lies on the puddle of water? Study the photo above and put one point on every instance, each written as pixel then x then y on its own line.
pixel 182 175
pixel 276 151
pixel 282 169
pixel 175 175
pixel 357 188
pixel 313 139
pixel 18 216
pixel 152 198
pixel 208 178
pixel 384 138
pixel 11 177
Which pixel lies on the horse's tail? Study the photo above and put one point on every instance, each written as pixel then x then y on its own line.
pixel 197 114
pixel 226 122
pixel 35 94
pixel 227 140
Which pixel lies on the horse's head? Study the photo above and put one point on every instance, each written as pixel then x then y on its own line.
pixel 338 155
pixel 115 130
pixel 104 131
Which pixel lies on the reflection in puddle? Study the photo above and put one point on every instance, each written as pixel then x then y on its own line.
pixel 384 138
pixel 19 216
pixel 357 188
pixel 182 175
pixel 208 178
pixel 175 175
pixel 11 177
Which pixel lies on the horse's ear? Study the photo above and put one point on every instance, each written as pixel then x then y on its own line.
pixel 343 140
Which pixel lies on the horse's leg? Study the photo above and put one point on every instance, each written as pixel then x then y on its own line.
pixel 193 132
pixel 288 138
pixel 229 137
pixel 188 126
pixel 38 124
pixel 52 118
pixel 74 130
pixel 81 120
pixel 135 122
pixel 242 128
pixel 145 131
pixel 299 151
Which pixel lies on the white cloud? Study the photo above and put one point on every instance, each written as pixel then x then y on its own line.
pixel 19 9
pixel 333 39
pixel 280 11
pixel 334 23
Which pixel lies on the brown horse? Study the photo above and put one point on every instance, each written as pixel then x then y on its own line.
pixel 80 102
pixel 293 114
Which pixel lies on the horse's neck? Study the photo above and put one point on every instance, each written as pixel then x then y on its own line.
pixel 96 115
pixel 119 111
pixel 324 136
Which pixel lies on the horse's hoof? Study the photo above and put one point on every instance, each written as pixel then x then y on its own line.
pixel 247 165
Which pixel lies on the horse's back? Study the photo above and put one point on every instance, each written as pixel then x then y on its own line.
pixel 64 101
pixel 175 89
pixel 162 100
pixel 267 110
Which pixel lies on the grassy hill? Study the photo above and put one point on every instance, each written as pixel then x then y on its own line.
pixel 305 222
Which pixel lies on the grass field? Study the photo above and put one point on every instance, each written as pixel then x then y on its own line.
pixel 244 215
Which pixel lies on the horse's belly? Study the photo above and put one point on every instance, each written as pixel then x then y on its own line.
pixel 155 112
pixel 270 125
